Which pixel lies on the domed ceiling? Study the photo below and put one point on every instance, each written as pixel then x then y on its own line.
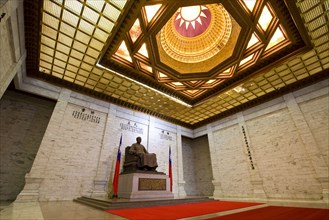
pixel 188 62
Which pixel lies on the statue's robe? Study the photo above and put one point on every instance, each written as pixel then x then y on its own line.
pixel 146 160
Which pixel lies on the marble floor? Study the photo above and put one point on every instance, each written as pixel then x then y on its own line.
pixel 69 210
pixel 63 210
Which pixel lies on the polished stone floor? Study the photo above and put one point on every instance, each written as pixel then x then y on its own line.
pixel 69 210
pixel 63 210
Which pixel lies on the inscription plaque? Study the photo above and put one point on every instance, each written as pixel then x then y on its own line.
pixel 151 184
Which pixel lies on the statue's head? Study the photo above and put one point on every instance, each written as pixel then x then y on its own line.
pixel 139 140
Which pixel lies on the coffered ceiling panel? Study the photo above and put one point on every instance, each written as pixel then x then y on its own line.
pixel 188 62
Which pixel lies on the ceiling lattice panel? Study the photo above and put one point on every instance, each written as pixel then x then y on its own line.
pixel 177 61
pixel 111 50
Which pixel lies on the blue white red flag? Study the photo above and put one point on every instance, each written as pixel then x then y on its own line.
pixel 170 169
pixel 117 171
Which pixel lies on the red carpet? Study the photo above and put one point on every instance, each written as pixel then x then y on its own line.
pixel 279 213
pixel 180 211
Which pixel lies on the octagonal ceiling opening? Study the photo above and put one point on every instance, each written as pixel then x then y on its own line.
pixel 193 50
pixel 197 38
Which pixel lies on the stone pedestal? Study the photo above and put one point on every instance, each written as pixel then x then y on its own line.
pixel 218 192
pixel 99 190
pixel 259 192
pixel 325 188
pixel 181 189
pixel 144 186
pixel 30 193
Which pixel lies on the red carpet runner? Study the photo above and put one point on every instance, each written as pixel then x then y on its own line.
pixel 279 213
pixel 180 211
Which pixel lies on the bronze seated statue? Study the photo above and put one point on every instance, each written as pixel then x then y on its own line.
pixel 131 161
pixel 134 163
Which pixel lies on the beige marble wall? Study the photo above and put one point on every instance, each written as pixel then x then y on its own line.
pixel 316 116
pixel 202 164
pixel 12 45
pixel 23 122
pixel 233 164
pixel 6 54
pixel 78 152
pixel 68 155
pixel 286 139
pixel 277 150
pixel 189 170
pixel 281 159
pixel 197 166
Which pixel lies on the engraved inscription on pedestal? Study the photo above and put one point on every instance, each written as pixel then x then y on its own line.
pixel 151 184
pixel 144 186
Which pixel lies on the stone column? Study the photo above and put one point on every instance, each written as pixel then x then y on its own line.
pixel 33 180
pixel 218 192
pixel 255 177
pixel 181 182
pixel 13 45
pixel 30 193
pixel 319 164
pixel 101 180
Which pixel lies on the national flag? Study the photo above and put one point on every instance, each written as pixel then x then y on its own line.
pixel 117 171
pixel 170 169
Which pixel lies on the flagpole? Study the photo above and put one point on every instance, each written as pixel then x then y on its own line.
pixel 170 169
pixel 117 171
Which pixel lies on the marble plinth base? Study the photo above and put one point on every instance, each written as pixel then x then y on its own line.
pixel 144 186
pixel 99 190
pixel 30 193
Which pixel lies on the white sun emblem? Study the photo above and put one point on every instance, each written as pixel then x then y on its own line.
pixel 190 15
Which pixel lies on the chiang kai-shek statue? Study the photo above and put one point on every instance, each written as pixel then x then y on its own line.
pixel 147 161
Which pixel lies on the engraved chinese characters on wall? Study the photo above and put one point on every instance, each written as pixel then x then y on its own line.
pixel 86 115
pixel 132 127
pixel 248 148
pixel 165 135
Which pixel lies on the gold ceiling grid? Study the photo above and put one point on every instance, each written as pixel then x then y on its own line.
pixel 301 67
pixel 134 53
pixel 72 37
pixel 74 33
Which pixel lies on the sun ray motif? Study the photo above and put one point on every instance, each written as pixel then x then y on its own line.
pixel 181 22
pixel 202 14
pixel 199 20
pixel 187 23
pixel 193 24
pixel 191 21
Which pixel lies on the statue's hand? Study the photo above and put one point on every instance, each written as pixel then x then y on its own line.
pixel 131 151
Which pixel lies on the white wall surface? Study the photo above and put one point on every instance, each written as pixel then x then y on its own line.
pixel 287 139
